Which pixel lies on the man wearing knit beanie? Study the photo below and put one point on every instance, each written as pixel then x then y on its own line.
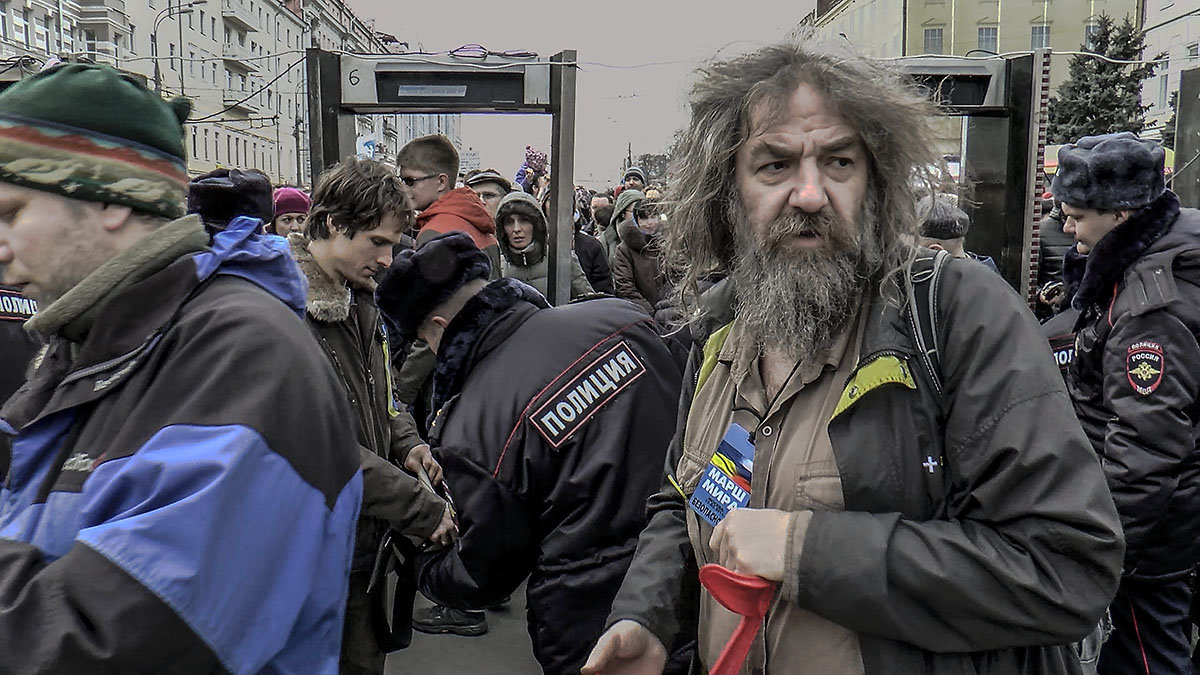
pixel 634 178
pixel 1135 383
pixel 160 513
pixel 550 432
pixel 944 227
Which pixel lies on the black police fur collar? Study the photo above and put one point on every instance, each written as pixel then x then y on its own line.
pixel 1120 248
pixel 468 326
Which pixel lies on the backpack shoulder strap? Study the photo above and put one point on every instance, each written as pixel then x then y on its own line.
pixel 923 284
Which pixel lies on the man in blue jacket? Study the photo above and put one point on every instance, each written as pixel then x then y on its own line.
pixel 182 493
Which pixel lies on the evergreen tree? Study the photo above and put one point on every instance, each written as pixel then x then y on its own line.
pixel 1102 97
pixel 1168 132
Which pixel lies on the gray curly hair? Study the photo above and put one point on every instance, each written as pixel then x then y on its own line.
pixel 891 116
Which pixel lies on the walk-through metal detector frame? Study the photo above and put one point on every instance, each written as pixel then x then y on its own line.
pixel 1005 102
pixel 343 85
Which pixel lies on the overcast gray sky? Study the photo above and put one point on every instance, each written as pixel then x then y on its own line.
pixel 617 106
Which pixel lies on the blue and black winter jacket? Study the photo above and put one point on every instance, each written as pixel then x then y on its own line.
pixel 182 495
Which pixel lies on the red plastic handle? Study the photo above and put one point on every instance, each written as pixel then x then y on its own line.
pixel 745 595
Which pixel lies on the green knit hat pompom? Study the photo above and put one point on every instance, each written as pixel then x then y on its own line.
pixel 94 133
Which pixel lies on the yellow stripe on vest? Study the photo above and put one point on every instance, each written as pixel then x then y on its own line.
pixel 391 387
pixel 712 348
pixel 881 371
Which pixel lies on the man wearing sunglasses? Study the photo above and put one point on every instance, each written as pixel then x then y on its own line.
pixel 429 166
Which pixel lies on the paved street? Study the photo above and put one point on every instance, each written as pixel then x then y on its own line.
pixel 504 650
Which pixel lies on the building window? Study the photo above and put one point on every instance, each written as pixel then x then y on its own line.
pixel 171 55
pixel 217 146
pixel 988 37
pixel 933 40
pixel 201 22
pixel 132 35
pixel 1090 31
pixel 194 154
pixel 212 23
pixel 1164 82
pixel 1039 37
pixel 192 64
pixel 1193 50
pixel 228 79
pixel 20 28
pixel 206 144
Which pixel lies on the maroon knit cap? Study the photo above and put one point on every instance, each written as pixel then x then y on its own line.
pixel 291 200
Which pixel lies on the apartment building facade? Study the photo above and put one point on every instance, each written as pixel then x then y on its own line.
pixel 1172 27
pixel 240 61
pixel 892 28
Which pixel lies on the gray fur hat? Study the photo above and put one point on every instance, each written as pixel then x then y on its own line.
pixel 1113 172
pixel 942 217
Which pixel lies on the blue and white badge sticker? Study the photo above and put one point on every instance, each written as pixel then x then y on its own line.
pixel 725 484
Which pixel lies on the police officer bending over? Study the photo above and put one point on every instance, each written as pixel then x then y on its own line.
pixel 551 427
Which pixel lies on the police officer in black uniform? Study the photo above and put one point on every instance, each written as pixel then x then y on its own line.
pixel 17 347
pixel 552 425
pixel 1135 382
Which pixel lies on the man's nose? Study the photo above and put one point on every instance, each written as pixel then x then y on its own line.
pixel 808 194
pixel 1069 226
pixel 6 254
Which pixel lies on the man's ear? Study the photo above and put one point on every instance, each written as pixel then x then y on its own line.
pixel 113 217
pixel 1123 216
pixel 440 320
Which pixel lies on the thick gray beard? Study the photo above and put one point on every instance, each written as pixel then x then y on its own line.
pixel 799 300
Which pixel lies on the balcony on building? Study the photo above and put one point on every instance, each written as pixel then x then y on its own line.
pixel 239 14
pixel 233 98
pixel 103 16
pixel 239 56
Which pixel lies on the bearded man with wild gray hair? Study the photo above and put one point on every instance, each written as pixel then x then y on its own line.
pixel 920 515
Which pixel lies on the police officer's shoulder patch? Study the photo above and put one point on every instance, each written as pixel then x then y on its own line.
pixel 16 307
pixel 1144 365
pixel 558 416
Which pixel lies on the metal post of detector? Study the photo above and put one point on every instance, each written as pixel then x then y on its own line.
pixel 331 132
pixel 562 201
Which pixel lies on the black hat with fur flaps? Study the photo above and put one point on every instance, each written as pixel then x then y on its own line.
pixel 417 282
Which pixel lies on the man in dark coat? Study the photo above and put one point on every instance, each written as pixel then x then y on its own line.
pixel 550 429
pixel 359 211
pixel 927 510
pixel 1135 382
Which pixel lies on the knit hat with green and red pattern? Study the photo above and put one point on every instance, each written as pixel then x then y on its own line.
pixel 93 133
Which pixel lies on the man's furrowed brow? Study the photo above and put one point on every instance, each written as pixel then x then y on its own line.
pixel 841 144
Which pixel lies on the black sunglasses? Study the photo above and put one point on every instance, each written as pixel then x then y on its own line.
pixel 413 181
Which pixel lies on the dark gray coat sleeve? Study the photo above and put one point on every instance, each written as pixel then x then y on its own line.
pixel 392 494
pixel 1031 551
pixel 661 590
pixel 1150 436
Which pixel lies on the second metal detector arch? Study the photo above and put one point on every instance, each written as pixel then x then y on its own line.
pixel 344 85
pixel 1004 102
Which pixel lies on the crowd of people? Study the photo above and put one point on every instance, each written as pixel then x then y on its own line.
pixel 785 423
